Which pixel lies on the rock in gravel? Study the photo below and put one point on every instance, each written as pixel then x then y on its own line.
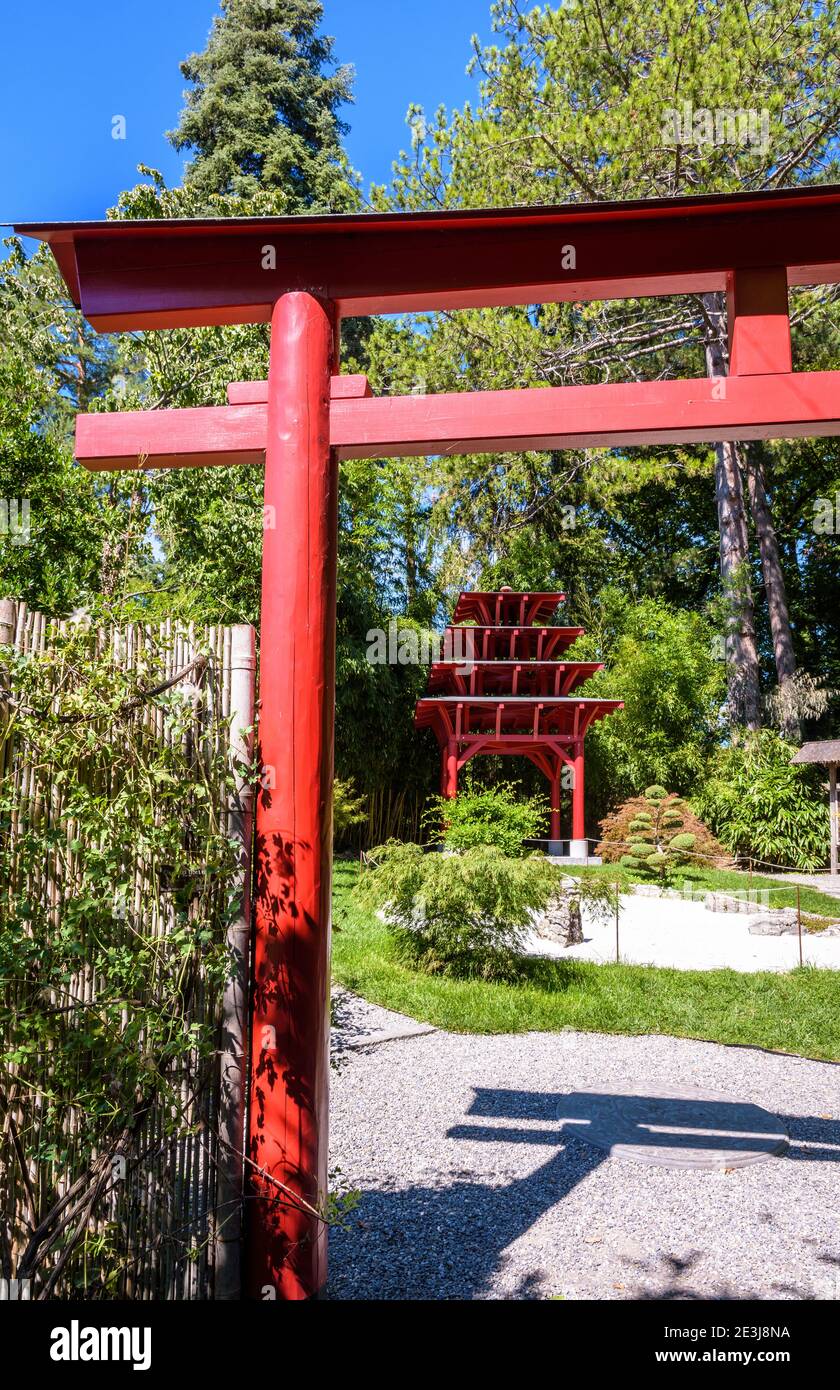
pixel 783 922
pixel 561 921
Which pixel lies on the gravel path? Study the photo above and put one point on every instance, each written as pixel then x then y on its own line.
pixel 676 932
pixel 826 883
pixel 472 1187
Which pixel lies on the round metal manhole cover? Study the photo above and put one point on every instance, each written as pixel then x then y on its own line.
pixel 675 1129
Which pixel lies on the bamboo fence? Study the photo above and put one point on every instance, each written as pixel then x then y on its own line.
pixel 170 1213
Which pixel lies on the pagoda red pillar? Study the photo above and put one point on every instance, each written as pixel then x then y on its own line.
pixel 451 769
pixel 578 825
pixel 554 830
pixel 290 1038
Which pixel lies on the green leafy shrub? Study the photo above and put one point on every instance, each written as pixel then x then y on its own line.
pixel 120 877
pixel 661 662
pixel 762 806
pixel 489 816
pixel 348 807
pixel 460 914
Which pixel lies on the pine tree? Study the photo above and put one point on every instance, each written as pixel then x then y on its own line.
pixel 581 101
pixel 262 111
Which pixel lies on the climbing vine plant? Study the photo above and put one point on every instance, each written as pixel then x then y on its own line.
pixel 119 878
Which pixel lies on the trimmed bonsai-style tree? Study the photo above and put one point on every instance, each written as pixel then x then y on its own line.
pixel 656 833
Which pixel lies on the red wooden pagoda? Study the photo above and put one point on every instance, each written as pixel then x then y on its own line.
pixel 510 696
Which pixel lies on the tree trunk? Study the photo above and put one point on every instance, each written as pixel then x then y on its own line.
pixel 771 565
pixel 741 650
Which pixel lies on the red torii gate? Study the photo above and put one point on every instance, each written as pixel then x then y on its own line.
pixel 302 274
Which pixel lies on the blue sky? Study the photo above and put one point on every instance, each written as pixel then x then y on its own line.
pixel 67 67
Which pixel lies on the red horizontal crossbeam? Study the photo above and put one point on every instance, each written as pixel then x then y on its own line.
pixel 779 406
pixel 174 274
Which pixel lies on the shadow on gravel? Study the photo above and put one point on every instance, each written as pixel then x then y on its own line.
pixel 448 1241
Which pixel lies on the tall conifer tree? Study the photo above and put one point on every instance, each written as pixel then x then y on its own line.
pixel 262 110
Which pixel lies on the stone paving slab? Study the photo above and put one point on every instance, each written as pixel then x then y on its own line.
pixel 357 1024
pixel 687 1128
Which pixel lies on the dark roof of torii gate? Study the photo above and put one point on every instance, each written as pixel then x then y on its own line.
pixel 178 273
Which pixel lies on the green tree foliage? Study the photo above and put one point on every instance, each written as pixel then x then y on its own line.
pixel 576 102
pixel 458 914
pixel 262 108
pixel 57 360
pixel 665 665
pixel 571 103
pixel 763 807
pixel 263 131
pixel 497 816
pixel 348 807
pixel 52 524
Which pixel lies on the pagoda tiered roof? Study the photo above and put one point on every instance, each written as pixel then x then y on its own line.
pixel 507 608
pixel 501 676
pixel 563 718
pixel 501 689
pixel 488 642
pixel 509 677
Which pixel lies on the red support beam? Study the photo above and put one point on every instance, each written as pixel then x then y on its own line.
pixel 784 406
pixel 451 769
pixel 202 436
pixel 290 1051
pixel 758 322
pixel 578 822
pixel 346 387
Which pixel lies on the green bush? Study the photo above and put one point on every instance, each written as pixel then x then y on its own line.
pixel 462 914
pixel 348 806
pixel 761 805
pixel 490 816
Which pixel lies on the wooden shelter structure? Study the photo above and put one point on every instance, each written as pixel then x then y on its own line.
pixel 513 700
pixel 827 752
pixel 302 275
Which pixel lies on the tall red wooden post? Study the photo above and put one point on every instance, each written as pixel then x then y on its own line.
pixel 451 769
pixel 554 831
pixel 290 1042
pixel 578 825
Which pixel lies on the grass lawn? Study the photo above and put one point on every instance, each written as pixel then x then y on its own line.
pixel 798 1012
